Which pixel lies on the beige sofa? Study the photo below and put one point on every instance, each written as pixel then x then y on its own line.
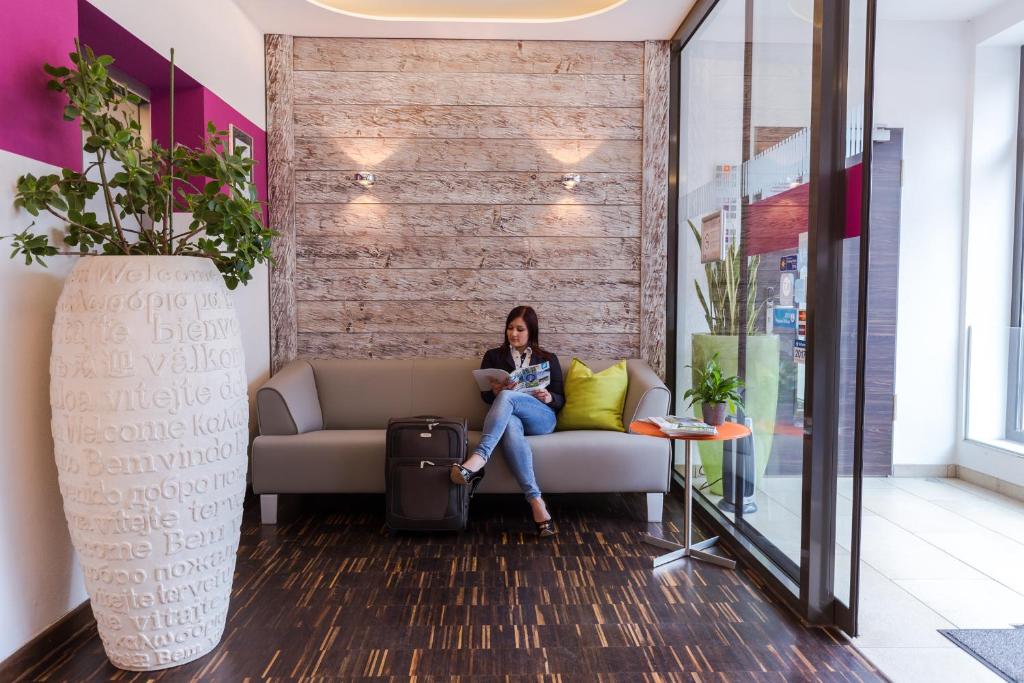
pixel 322 426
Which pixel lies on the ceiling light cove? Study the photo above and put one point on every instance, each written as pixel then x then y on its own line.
pixel 505 11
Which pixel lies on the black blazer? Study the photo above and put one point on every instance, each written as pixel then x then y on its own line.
pixel 496 358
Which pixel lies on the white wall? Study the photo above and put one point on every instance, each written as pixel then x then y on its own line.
pixel 39 575
pixel 922 78
pixel 1001 25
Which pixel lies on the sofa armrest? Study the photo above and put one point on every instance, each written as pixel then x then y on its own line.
pixel 288 403
pixel 647 394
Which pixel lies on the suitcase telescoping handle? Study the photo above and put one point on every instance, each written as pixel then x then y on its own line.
pixel 432 421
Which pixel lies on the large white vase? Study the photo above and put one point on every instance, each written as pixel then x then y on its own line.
pixel 150 429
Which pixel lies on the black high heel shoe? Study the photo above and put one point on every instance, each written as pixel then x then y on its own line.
pixel 546 528
pixel 464 477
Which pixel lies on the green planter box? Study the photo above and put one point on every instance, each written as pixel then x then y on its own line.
pixel 761 395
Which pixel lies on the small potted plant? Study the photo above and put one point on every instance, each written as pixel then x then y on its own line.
pixel 714 391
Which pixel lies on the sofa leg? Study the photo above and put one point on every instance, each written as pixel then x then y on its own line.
pixel 268 508
pixel 655 505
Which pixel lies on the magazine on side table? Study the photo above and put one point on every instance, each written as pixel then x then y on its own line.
pixel 673 425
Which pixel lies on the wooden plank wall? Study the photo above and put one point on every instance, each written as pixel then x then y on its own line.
pixel 468 140
pixel 281 199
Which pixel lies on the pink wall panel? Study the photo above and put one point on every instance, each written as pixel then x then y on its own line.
pixel 854 193
pixel 31 121
pixel 221 113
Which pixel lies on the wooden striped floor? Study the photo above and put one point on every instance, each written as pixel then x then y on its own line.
pixel 326 596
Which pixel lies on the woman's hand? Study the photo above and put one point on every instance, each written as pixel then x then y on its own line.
pixel 498 387
pixel 542 395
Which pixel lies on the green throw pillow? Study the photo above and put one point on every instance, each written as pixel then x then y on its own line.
pixel 594 401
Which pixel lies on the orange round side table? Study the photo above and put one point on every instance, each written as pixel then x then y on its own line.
pixel 727 431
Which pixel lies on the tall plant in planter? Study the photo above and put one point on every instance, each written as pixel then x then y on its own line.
pixel 722 306
pixel 147 375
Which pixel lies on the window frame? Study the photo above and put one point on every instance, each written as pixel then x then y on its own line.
pixel 1015 360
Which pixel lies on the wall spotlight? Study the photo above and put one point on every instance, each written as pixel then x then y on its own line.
pixel 365 178
pixel 570 180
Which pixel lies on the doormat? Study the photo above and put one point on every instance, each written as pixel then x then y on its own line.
pixel 1001 650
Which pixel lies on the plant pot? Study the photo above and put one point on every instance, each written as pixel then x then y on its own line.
pixel 761 395
pixel 150 427
pixel 713 413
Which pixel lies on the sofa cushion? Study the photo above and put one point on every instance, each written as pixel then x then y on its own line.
pixel 445 387
pixel 327 461
pixel 352 461
pixel 363 394
pixel 366 393
pixel 586 462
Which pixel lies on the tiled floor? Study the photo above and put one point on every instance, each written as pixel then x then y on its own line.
pixel 935 554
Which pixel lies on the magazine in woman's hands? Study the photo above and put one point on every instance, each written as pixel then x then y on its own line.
pixel 526 380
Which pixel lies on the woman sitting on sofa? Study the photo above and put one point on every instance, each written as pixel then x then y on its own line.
pixel 515 415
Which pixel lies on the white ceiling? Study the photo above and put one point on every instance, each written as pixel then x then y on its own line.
pixel 632 20
pixel 933 10
pixel 888 10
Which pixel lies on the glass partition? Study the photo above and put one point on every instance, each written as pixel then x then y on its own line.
pixel 767 221
pixel 743 222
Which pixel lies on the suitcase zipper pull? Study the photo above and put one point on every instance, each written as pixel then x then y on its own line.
pixel 426 462
pixel 431 425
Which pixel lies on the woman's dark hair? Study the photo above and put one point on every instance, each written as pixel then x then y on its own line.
pixel 529 317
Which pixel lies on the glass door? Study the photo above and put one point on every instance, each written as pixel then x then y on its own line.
pixel 768 278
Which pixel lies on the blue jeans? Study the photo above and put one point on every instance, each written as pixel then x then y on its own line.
pixel 512 417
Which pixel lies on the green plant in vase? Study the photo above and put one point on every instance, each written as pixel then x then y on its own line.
pixel 722 306
pixel 715 391
pixel 142 186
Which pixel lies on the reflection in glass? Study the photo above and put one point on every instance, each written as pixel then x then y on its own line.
pixel 744 174
pixel 711 142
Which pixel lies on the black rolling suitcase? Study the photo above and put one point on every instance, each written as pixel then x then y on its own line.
pixel 420 495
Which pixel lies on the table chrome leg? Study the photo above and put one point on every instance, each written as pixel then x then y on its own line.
pixel 670 557
pixel 705 544
pixel 713 559
pixel 688 496
pixel 661 542
pixel 689 549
